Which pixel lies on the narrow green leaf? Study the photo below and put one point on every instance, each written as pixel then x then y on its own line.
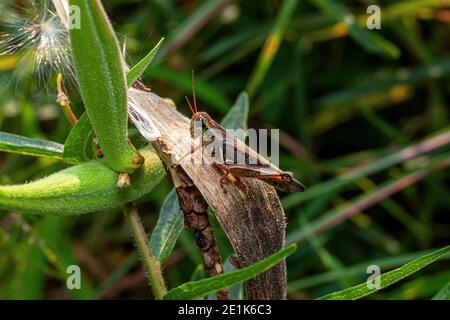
pixel 115 276
pixel 237 116
pixel 444 293
pixel 142 65
pixel 357 270
pixel 381 163
pixel 168 228
pixel 197 289
pixel 55 244
pixel 235 292
pixel 100 74
pixel 360 90
pixel 199 273
pixel 271 46
pixel 388 278
pixel 78 146
pixel 32 147
pixel 192 24
pixel 369 40
pixel 28 279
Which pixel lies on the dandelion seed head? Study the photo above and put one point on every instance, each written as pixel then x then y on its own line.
pixel 37 33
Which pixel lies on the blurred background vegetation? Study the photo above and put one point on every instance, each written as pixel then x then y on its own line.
pixel 343 96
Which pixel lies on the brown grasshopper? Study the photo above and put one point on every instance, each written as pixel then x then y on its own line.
pixel 262 169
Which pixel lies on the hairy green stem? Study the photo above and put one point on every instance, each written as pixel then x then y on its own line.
pixel 151 265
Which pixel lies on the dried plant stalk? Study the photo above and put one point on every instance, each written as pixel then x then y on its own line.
pixel 253 219
pixel 195 210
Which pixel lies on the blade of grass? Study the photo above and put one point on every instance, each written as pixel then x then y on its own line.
pixel 422 287
pixel 32 147
pixel 334 185
pixel 117 274
pixel 271 46
pixel 370 41
pixel 359 269
pixel 388 81
pixel 327 259
pixel 361 203
pixel 194 23
pixel 197 289
pixel 389 278
pixel 444 293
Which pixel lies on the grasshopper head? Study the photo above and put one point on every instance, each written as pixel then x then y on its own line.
pixel 292 183
pixel 199 123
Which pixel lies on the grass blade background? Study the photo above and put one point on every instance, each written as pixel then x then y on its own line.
pixel 388 278
pixel 437 141
pixel 271 46
pixel 197 289
pixel 444 293
pixel 31 147
pixel 358 270
pixel 371 41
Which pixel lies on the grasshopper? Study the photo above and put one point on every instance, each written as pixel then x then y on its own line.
pixel 262 169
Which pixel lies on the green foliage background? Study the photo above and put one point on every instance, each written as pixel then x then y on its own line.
pixel 343 97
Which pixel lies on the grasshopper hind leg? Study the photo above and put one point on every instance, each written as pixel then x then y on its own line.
pixel 228 176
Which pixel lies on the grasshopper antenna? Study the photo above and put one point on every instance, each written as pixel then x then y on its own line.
pixel 190 106
pixel 194 108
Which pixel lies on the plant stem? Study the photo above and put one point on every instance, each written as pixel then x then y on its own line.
pixel 151 265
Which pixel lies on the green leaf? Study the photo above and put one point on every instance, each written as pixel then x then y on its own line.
pixel 142 65
pixel 271 46
pixel 78 146
pixel 388 278
pixel 101 77
pixel 235 292
pixel 444 293
pixel 354 271
pixel 32 147
pixel 237 116
pixel 197 289
pixel 369 40
pixel 168 228
pixel 381 163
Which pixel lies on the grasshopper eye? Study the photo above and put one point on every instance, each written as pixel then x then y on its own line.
pixel 202 123
pixel 287 176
